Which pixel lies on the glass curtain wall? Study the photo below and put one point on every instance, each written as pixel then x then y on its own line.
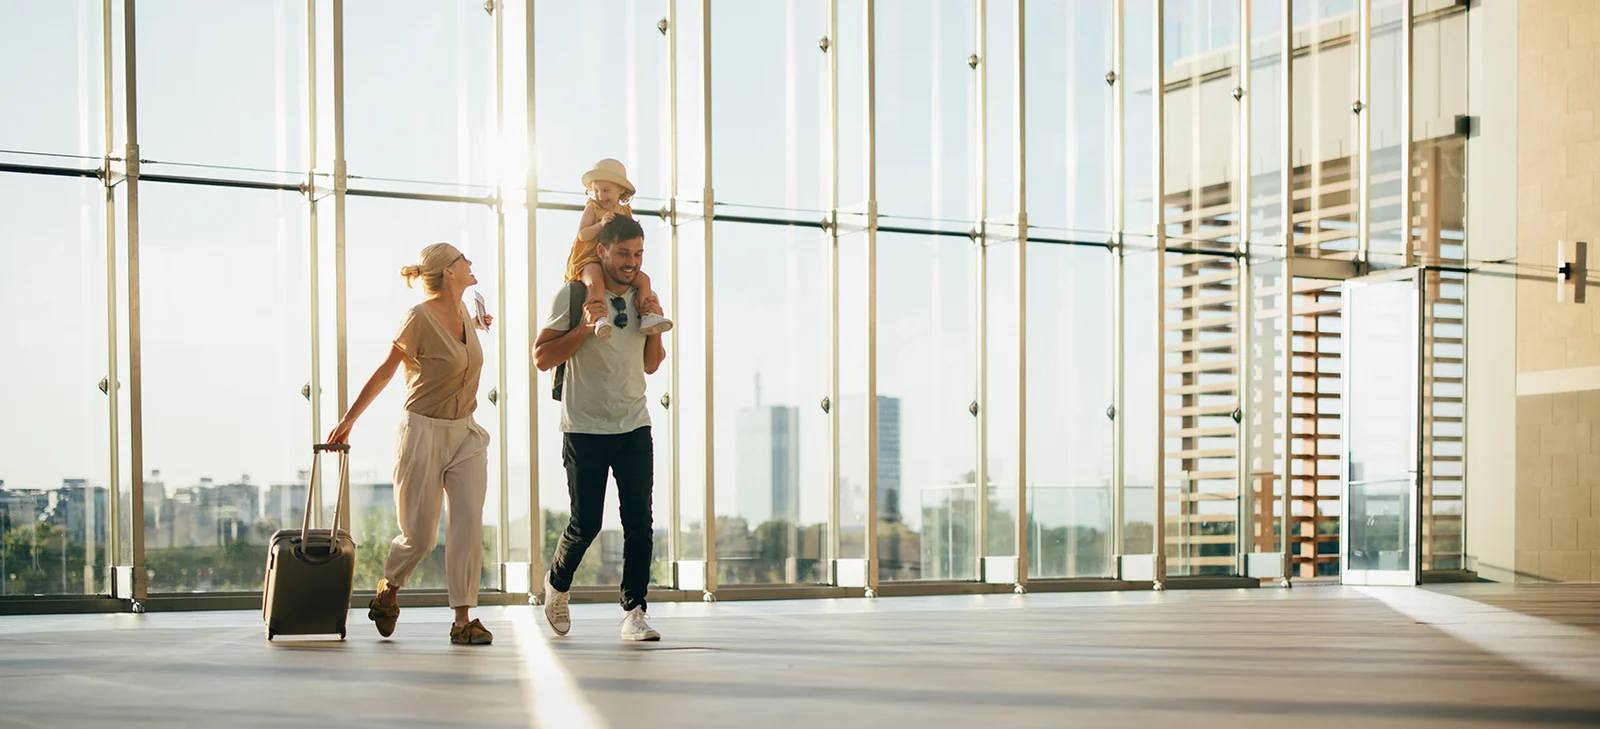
pixel 952 281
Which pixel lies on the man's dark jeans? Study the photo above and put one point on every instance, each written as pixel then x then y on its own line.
pixel 630 457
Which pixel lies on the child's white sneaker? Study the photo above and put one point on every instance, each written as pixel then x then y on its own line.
pixel 602 329
pixel 654 324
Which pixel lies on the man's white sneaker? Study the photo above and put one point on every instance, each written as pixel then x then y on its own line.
pixel 636 626
pixel 602 329
pixel 654 324
pixel 555 608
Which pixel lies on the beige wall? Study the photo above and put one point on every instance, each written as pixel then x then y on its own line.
pixel 1557 532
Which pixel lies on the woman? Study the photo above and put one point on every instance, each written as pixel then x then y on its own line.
pixel 443 452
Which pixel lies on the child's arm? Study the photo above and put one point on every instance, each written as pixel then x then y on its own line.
pixel 589 226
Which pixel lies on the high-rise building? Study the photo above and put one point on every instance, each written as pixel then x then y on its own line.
pixel 768 463
pixel 852 491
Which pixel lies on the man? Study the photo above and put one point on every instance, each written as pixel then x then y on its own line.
pixel 605 426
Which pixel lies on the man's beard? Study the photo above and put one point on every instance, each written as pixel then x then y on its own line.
pixel 615 274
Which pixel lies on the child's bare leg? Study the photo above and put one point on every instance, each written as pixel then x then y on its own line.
pixel 652 320
pixel 646 296
pixel 594 280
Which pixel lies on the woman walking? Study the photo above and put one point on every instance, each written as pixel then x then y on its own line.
pixel 443 452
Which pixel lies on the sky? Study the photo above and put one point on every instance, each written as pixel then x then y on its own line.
pixel 226 287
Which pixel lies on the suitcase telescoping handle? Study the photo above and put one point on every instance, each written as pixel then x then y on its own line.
pixel 343 449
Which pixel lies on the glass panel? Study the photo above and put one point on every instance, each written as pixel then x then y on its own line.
pixel 855 308
pixel 1387 136
pixel 226 429
pixel 242 106
pixel 1070 387
pixel 773 440
pixel 1141 327
pixel 1000 76
pixel 689 399
pixel 1266 100
pixel 1265 368
pixel 59 45
pixel 1000 410
pixel 770 75
pixel 385 235
pixel 1069 115
pixel 1139 111
pixel 595 103
pixel 691 102
pixel 851 45
pixel 926 97
pixel 1201 62
pixel 54 500
pixel 1443 430
pixel 1315 393
pixel 924 419
pixel 419 91
pixel 1382 401
pixel 1326 76
pixel 1201 432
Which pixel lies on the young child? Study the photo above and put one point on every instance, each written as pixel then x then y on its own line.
pixel 609 194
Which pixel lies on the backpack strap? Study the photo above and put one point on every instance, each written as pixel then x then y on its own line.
pixel 577 294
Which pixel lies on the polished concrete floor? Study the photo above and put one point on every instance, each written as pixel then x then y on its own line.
pixel 1463 655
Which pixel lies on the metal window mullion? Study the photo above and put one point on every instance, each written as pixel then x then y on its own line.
pixel 708 202
pixel 1245 447
pixel 1364 135
pixel 1159 94
pixel 503 404
pixel 1118 292
pixel 980 481
pixel 312 248
pixel 1407 110
pixel 114 553
pixel 834 544
pixel 531 202
pixel 1020 157
pixel 340 183
pixel 871 141
pixel 135 350
pixel 674 500
pixel 1286 417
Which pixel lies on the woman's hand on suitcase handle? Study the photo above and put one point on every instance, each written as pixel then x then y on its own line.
pixel 340 432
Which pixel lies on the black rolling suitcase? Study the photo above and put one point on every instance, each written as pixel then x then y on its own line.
pixel 310 571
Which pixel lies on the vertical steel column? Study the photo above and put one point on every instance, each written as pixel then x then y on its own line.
pixel 503 540
pixel 1407 148
pixel 674 533
pixel 708 212
pixel 530 200
pixel 1119 179
pixel 1019 149
pixel 1245 448
pixel 340 182
pixel 872 300
pixel 135 350
pixel 1159 95
pixel 980 481
pixel 833 291
pixel 1286 423
pixel 315 268
pixel 1364 136
pixel 113 384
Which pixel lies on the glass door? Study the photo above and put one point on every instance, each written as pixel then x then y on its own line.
pixel 1381 468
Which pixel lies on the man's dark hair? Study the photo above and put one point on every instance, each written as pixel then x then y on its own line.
pixel 620 228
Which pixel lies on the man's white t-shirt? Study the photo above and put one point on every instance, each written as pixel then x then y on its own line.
pixel 603 391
